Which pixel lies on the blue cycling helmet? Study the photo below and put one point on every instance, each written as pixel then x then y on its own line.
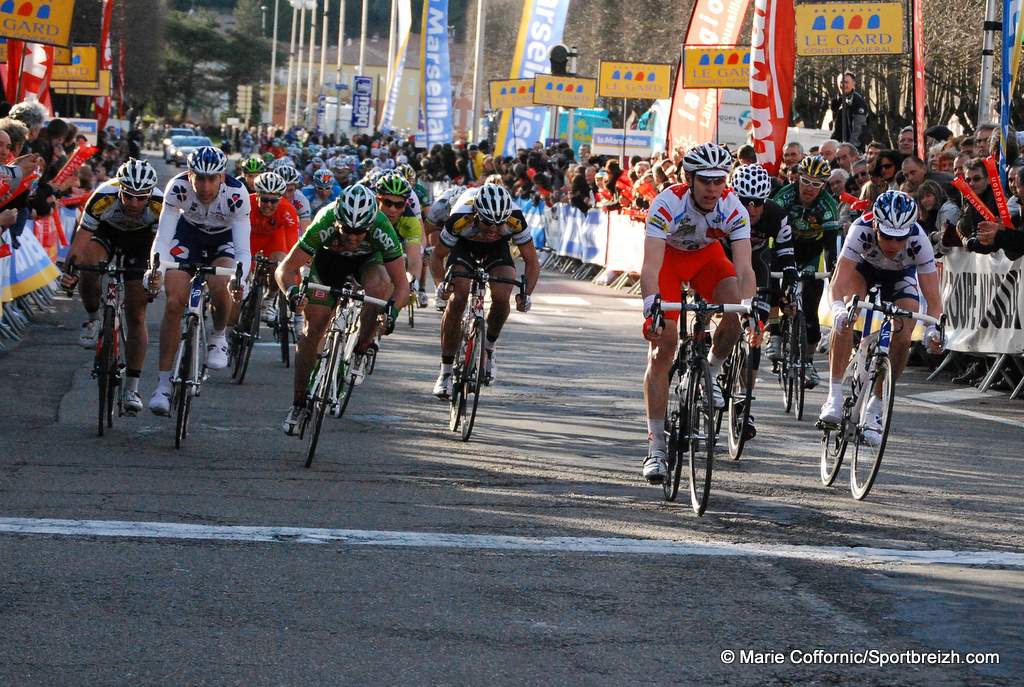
pixel 207 160
pixel 895 214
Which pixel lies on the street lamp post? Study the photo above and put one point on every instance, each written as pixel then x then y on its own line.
pixel 273 67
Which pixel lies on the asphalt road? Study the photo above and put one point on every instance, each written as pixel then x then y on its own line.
pixel 533 554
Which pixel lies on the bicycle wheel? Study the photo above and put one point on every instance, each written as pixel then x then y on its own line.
pixel 867 458
pixel 739 396
pixel 284 329
pixel 701 435
pixel 186 371
pixel 457 402
pixel 103 368
pixel 782 366
pixel 474 378
pixel 677 424
pixel 411 310
pixel 800 346
pixel 320 397
pixel 246 332
pixel 725 382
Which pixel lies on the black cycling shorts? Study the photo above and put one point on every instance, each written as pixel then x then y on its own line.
pixel 469 254
pixel 133 245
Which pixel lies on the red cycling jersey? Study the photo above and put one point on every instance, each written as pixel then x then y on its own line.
pixel 274 234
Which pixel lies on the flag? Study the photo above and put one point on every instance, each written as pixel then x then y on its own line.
pixel 773 55
pixel 694 117
pixel 920 123
pixel 36 67
pixel 404 26
pixel 120 79
pixel 15 49
pixel 540 29
pixel 1018 50
pixel 435 70
pixel 1011 12
pixel 102 104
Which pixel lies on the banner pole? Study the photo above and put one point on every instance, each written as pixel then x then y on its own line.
pixel 625 105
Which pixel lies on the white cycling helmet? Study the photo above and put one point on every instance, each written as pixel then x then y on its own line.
pixel 270 183
pixel 752 181
pixel 136 176
pixel 493 204
pixel 895 214
pixel 290 175
pixel 708 159
pixel 356 208
pixel 207 160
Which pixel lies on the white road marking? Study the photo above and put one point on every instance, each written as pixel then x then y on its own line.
pixel 562 300
pixel 954 395
pixel 594 545
pixel 631 302
pixel 963 412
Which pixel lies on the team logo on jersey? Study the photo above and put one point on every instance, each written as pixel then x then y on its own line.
pixel 716 233
pixel 178 251
pixel 102 204
pixel 180 192
pixel 235 201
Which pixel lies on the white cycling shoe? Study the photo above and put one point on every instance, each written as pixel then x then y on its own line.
pixel 421 299
pixel 133 402
pixel 655 469
pixel 831 410
pixel 443 385
pixel 217 353
pixel 357 370
pixel 89 334
pixel 160 401
pixel 716 395
pixel 490 369
pixel 291 420
pixel 872 432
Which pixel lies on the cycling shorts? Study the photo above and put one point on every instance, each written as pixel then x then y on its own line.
pixel 191 244
pixel 332 269
pixel 894 284
pixel 488 255
pixel 133 245
pixel 702 269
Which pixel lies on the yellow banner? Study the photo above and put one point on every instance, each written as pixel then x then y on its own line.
pixel 61 55
pixel 849 29
pixel 635 80
pixel 98 90
pixel 37 21
pixel 511 93
pixel 84 66
pixel 3 51
pixel 711 67
pixel 564 91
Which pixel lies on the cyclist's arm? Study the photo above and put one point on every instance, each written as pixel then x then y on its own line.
pixel 287 273
pixel 784 254
pixel 842 282
pixel 929 283
pixel 165 228
pixel 654 256
pixel 396 271
pixel 744 268
pixel 240 235
pixel 528 252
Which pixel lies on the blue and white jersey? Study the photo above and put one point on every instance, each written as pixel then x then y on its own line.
pixel 184 213
pixel 316 202
pixel 861 246
pixel 301 203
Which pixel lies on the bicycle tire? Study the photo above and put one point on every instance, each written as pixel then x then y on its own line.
pixel 742 388
pixel 411 309
pixel 782 366
pixel 183 394
pixel 725 382
pixel 284 337
pixel 103 365
pixel 801 347
pixel 677 422
pixel 882 374
pixel 700 405
pixel 457 402
pixel 320 399
pixel 249 328
pixel 120 362
pixel 474 380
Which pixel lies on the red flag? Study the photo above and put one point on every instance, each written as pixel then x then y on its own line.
pixel 15 48
pixel 773 56
pixel 919 84
pixel 694 115
pixel 102 104
pixel 36 67
pixel 120 78
pixel 71 167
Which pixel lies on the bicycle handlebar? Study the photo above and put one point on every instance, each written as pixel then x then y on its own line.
pixel 817 275
pixel 894 311
pixel 205 269
pixel 347 292
pixel 706 307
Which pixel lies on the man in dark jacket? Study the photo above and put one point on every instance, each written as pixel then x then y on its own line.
pixel 849 111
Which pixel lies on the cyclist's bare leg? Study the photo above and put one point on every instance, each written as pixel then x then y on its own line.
pixel 176 288
pixel 414 260
pixel 727 291
pixel 500 295
pixel 223 304
pixel 136 335
pixel 659 361
pixel 374 279
pixel 451 321
pixel 847 283
pixel 92 253
pixel 436 266
pixel 902 333
pixel 310 339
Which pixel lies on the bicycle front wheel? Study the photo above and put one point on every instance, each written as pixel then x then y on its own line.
pixel 284 329
pixel 186 372
pixel 740 394
pixel 246 333
pixel 701 435
pixel 474 378
pixel 800 346
pixel 873 428
pixel 677 426
pixel 411 309
pixel 321 396
pixel 104 370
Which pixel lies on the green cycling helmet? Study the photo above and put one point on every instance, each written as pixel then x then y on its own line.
pixel 393 184
pixel 253 165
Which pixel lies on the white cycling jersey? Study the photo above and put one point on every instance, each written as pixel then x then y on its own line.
pixel 441 208
pixel 676 219
pixel 301 203
pixel 183 213
pixel 861 246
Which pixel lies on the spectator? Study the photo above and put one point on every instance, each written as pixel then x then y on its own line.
pixel 938 214
pixel 837 181
pixel 915 172
pixel 905 141
pixel 746 155
pixel 792 154
pixel 31 114
pixel 849 111
pixel 860 174
pixel 17 132
pixel 873 150
pixel 971 220
pixel 579 194
pixel 983 140
pixel 845 157
pixel 884 168
pixel 828 150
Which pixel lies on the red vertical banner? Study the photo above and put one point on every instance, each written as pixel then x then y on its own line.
pixel 120 78
pixel 920 122
pixel 694 115
pixel 772 64
pixel 15 51
pixel 102 104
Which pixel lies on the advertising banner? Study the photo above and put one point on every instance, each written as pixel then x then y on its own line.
pixel 435 71
pixel 540 29
pixel 506 93
pixel 37 21
pixel 404 26
pixel 100 89
pixel 643 80
pixel 84 66
pixel 982 297
pixel 849 28
pixel 716 67
pixel 771 79
pixel 564 91
pixel 61 55
pixel 609 142
pixel 694 115
pixel 362 89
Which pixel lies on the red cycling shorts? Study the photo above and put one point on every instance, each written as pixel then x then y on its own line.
pixel 702 269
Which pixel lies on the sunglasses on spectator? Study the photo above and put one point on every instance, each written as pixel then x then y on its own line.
pixel 270 200
pixel 861 175
pixel 393 203
pixel 813 183
pixel 753 202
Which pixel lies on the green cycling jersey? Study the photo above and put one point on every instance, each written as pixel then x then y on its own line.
pixel 379 244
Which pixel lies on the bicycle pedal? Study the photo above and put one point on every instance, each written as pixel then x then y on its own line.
pixel 827 426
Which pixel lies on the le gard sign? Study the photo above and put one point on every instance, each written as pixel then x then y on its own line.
pixel 849 29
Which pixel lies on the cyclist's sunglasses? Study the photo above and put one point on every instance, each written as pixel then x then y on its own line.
pixel 813 183
pixel 753 202
pixel 393 203
pixel 270 200
pixel 135 196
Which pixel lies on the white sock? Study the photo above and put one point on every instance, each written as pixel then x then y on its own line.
pixel 132 384
pixel 835 389
pixel 165 380
pixel 715 363
pixel 489 345
pixel 217 334
pixel 93 316
pixel 656 434
pixel 446 369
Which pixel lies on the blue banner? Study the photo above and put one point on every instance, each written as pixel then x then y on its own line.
pixel 540 29
pixel 1011 42
pixel 436 86
pixel 362 90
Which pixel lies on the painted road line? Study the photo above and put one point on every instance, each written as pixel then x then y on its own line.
pixel 961 411
pixel 561 300
pixel 955 395
pixel 584 545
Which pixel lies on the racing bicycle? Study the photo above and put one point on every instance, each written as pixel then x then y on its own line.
pixel 791 368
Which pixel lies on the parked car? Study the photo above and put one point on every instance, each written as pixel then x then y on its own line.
pixel 182 146
pixel 171 133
